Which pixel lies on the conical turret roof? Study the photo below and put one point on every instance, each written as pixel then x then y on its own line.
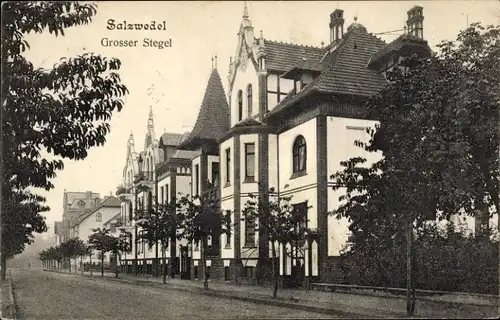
pixel 213 118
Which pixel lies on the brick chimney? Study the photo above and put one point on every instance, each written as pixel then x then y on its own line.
pixel 415 22
pixel 336 25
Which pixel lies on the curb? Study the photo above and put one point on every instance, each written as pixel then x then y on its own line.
pixel 231 295
pixel 8 308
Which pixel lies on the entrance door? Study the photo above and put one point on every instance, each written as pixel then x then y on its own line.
pixel 185 263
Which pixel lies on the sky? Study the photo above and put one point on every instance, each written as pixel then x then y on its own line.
pixel 172 80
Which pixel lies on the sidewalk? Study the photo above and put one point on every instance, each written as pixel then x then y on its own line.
pixel 7 306
pixel 340 304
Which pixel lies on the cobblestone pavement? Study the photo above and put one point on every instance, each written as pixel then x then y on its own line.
pixel 44 295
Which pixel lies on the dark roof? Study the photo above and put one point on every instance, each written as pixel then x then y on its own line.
pixel 184 154
pixel 311 66
pixel 345 69
pixel 398 43
pixel 213 118
pixel 248 122
pixel 284 56
pixel 172 139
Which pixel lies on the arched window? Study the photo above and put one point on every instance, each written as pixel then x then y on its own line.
pixel 240 105
pixel 98 217
pixel 81 204
pixel 249 99
pixel 299 154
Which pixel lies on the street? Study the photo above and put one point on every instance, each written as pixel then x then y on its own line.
pixel 44 295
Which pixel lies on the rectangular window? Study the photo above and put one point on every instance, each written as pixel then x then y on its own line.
pixel 249 161
pixel 197 179
pixel 301 212
pixel 228 236
pixel 249 232
pixel 162 195
pixel 286 85
pixel 272 82
pixel 215 173
pixel 228 165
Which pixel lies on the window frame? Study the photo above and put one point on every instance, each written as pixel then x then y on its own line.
pixel 249 178
pixel 239 101
pixel 299 147
pixel 98 217
pixel 228 167
pixel 250 236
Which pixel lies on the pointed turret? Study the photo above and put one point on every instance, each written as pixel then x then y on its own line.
pixel 150 135
pixel 213 118
pixel 245 11
pixel 130 144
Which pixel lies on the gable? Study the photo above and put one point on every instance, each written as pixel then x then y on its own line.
pixel 246 55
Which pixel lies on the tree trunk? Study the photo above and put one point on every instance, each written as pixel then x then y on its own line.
pixel 4 266
pixel 204 262
pixel 410 305
pixel 164 265
pixel 157 270
pixel 116 265
pixel 81 265
pixel 275 276
pixel 102 263
pixel 90 264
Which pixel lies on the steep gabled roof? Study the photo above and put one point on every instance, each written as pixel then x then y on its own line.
pixel 282 57
pixel 213 118
pixel 404 40
pixel 345 69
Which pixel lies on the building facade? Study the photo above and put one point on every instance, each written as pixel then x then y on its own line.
pixel 291 114
pixel 75 204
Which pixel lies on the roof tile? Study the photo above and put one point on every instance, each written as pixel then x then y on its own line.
pixel 213 118
pixel 282 57
pixel 345 69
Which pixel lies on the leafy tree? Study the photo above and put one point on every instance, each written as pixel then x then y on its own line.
pixel 102 241
pixel 438 133
pixel 159 227
pixel 118 245
pixel 44 258
pixel 63 111
pixel 73 248
pixel 200 217
pixel 21 225
pixel 279 220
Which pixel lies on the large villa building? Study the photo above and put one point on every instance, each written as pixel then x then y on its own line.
pixel 290 115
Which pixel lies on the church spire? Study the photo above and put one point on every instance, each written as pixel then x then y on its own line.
pixel 150 119
pixel 245 11
pixel 131 139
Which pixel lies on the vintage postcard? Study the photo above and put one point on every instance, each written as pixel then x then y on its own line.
pixel 250 159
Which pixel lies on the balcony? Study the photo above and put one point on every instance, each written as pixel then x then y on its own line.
pixel 123 190
pixel 145 176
